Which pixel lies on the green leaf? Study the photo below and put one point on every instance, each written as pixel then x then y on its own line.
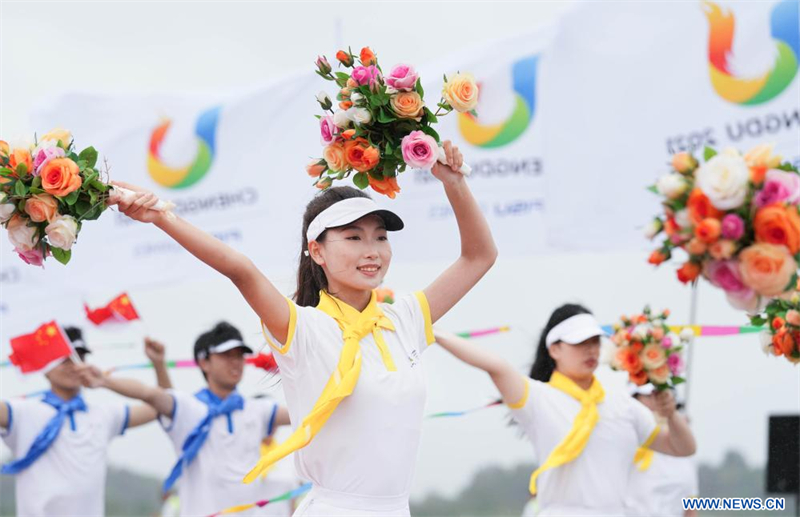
pixel 385 118
pixel 99 185
pixel 19 189
pixel 72 198
pixel 430 117
pixel 757 321
pixel 678 380
pixel 653 189
pixel 419 89
pixel 708 153
pixel 22 169
pixel 432 132
pixel 5 171
pixel 361 180
pixel 89 155
pixel 60 255
pixel 37 182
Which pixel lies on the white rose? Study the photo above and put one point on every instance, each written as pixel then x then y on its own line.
pixel 6 209
pixel 653 228
pixel 671 185
pixel 341 119
pixel 640 331
pixel 766 343
pixel 682 218
pixel 687 334
pixel 359 115
pixel 323 97
pixel 22 236
pixel 62 232
pixel 355 97
pixel 724 179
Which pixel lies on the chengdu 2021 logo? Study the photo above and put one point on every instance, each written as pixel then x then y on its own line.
pixel 188 175
pixel 748 91
pixel 497 135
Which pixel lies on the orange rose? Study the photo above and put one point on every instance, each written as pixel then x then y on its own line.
pixel 407 105
pixel 757 174
pixel 767 268
pixel 660 375
pixel 334 156
pixel 3 148
pixel 323 183
pixel 349 134
pixel 60 177
pixel 688 272
pixel 20 156
pixel 360 155
pixel 671 227
pixel 683 162
pixel 653 356
pixel 386 186
pixel 639 378
pixel 657 257
pixel 777 322
pixel 461 92
pixel 637 347
pixel 314 169
pixel 368 57
pixel 628 360
pixel 722 249
pixel 345 105
pixel 701 208
pixel 708 230
pixel 41 207
pixel 778 224
pixel 783 342
pixel 696 246
pixel 344 58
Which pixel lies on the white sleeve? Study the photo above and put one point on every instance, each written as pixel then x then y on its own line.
pixel 643 422
pixel 117 417
pixel 412 313
pixel 187 412
pixel 10 433
pixel 267 410
pixel 299 336
pixel 525 412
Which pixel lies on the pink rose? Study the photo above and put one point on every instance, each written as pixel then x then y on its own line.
pixel 732 227
pixel 420 151
pixel 790 181
pixel 34 256
pixel 725 275
pixel 366 75
pixel 327 130
pixel 47 150
pixel 793 317
pixel 773 192
pixel 666 342
pixel 402 78
pixel 675 364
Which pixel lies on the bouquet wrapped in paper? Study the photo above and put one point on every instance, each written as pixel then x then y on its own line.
pixel 382 124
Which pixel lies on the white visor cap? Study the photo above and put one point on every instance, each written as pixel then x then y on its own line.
pixel 574 330
pixel 349 210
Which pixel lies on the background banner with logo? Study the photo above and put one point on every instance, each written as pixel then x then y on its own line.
pixel 574 121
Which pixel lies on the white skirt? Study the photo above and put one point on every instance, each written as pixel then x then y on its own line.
pixel 321 502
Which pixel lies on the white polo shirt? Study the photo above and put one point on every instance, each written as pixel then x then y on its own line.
pixel 69 479
pixel 368 447
pixel 596 483
pixel 213 481
pixel 658 491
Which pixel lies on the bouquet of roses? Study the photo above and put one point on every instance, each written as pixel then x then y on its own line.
pixel 47 190
pixel 782 335
pixel 737 218
pixel 648 350
pixel 382 124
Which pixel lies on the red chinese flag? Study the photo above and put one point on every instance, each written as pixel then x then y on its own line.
pixel 32 352
pixel 263 361
pixel 119 309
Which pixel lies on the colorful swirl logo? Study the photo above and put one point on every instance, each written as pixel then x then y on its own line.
pixel 785 31
pixel 183 177
pixel 498 135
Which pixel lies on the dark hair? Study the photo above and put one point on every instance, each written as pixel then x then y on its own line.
pixel 310 276
pixel 544 365
pixel 75 334
pixel 222 331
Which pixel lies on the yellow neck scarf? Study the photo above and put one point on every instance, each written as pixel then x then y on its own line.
pixel 573 444
pixel 355 326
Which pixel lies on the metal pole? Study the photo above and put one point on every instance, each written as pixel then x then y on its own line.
pixel 690 354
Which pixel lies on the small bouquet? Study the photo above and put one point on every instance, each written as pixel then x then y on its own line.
pixel 648 350
pixel 382 124
pixel 782 335
pixel 737 218
pixel 47 190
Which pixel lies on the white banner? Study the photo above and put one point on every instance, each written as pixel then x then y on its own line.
pixel 626 85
